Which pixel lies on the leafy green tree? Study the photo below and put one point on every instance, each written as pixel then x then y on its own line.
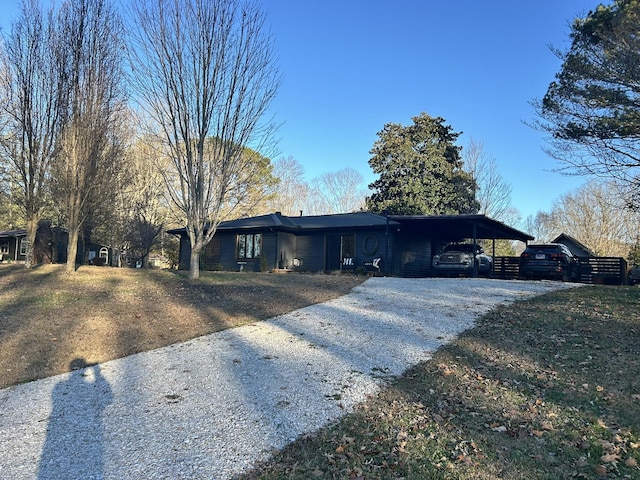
pixel 591 110
pixel 420 170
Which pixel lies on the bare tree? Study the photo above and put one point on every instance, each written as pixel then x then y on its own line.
pixel 89 46
pixel 30 112
pixel 596 215
pixel 204 69
pixel 337 192
pixel 492 193
pixel 541 226
pixel 292 190
pixel 138 212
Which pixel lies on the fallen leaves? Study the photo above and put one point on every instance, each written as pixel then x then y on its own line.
pixel 609 458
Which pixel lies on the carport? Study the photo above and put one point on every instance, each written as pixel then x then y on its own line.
pixel 415 230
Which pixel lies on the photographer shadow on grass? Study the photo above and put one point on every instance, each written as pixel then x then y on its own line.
pixel 74 445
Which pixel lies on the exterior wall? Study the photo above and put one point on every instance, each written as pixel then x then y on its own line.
pixel 413 256
pixel 212 254
pixel 185 253
pixel 310 250
pixel 409 255
pixel 228 251
pixel 50 246
pixel 269 247
pixel 230 261
pixel 11 244
pixel 285 251
pixel 369 247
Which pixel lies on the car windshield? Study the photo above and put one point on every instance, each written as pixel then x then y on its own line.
pixel 466 248
pixel 543 248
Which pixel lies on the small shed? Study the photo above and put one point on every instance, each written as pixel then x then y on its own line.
pixel 576 248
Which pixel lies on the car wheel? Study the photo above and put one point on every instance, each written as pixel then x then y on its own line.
pixel 566 275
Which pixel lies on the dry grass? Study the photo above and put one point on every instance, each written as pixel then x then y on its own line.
pixel 48 318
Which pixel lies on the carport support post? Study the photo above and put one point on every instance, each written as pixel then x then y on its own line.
pixel 386 247
pixel 475 240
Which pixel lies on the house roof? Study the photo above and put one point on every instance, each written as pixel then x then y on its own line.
pixel 460 226
pixel 450 226
pixel 13 233
pixel 298 223
pixel 341 220
pixel 569 242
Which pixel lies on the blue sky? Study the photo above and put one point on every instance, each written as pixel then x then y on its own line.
pixel 350 67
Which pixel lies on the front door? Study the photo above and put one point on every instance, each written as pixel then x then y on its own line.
pixel 340 252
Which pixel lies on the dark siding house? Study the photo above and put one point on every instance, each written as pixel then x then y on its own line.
pixel 50 247
pixel 399 245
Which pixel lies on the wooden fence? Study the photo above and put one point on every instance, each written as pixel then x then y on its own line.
pixel 595 270
pixel 506 268
pixel 603 270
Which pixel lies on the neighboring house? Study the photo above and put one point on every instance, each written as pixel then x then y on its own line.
pixel 399 245
pixel 576 248
pixel 51 247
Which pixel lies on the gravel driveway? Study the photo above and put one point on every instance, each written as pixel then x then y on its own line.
pixel 210 407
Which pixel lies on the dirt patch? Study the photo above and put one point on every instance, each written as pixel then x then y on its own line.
pixel 48 318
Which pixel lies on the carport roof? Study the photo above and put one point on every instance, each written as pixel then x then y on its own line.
pixel 460 226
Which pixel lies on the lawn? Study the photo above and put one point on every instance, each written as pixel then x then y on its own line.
pixel 49 318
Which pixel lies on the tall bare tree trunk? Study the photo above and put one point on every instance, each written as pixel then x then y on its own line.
pixel 32 230
pixel 29 111
pixel 72 251
pixel 194 264
pixel 90 146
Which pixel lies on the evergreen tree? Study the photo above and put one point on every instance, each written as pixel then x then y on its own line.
pixel 591 110
pixel 420 170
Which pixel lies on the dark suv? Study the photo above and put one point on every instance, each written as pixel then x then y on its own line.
pixel 549 260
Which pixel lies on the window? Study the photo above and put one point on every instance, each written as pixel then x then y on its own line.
pixel 249 245
pixel 4 247
pixel 23 246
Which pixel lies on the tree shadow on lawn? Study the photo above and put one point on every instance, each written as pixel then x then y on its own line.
pixel 48 318
pixel 544 388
